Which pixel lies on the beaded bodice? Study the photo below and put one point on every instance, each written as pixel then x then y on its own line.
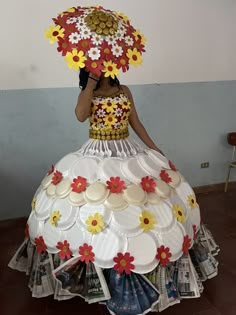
pixel 109 117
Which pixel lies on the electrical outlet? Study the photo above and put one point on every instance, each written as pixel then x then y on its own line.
pixel 205 165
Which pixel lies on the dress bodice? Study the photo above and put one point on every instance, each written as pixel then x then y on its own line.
pixel 109 117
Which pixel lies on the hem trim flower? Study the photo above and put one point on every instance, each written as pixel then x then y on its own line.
pixel 86 253
pixel 123 263
pixel 186 244
pixel 40 245
pixel 65 251
pixel 163 254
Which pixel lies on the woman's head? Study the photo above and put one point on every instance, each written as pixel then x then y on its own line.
pixel 83 79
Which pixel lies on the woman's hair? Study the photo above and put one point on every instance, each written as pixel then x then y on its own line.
pixel 83 79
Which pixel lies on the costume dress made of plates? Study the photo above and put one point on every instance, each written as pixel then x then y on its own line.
pixel 116 223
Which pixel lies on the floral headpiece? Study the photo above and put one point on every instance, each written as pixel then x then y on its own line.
pixel 97 39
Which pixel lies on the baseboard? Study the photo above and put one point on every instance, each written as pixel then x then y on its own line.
pixel 215 187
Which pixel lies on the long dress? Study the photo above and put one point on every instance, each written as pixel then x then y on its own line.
pixel 116 223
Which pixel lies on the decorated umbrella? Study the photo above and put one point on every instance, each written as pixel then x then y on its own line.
pixel 97 39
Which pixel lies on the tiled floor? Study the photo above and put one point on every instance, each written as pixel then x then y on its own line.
pixel 219 297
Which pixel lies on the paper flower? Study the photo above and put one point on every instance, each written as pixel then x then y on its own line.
pixel 33 203
pixel 54 218
pixel 86 253
pixel 110 69
pixel 109 105
pixel 148 184
pixel 53 33
pixel 194 232
pixel 179 213
pixel 165 176
pixel 75 59
pixel 94 66
pixel 139 37
pixel 40 245
pixel 123 63
pixel 110 121
pixel 51 170
pixel 192 201
pixel 95 223
pixel 57 177
pixel 172 166
pixel 123 263
pixel 147 220
pixel 115 185
pixel 26 231
pixel 163 254
pixel 186 244
pixel 65 251
pixel 79 184
pixel 134 56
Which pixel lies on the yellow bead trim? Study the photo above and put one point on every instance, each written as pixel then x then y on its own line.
pixel 115 134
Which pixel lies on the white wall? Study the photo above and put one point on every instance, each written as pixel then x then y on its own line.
pixel 188 41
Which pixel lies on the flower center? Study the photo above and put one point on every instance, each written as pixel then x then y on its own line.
pixel 123 263
pixel 64 45
pixel 94 222
pixel 86 252
pixel 163 255
pixel 106 51
pixel 180 213
pixel 146 221
pixel 110 68
pixel 94 65
pixel 84 44
pixel 122 62
pixel 79 185
pixel 76 58
pixel 135 58
pixel 64 249
pixel 55 33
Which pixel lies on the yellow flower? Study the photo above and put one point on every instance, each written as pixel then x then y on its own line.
pixel 192 201
pixel 109 105
pixel 179 213
pixel 124 17
pixel 110 121
pixel 134 56
pixel 70 10
pixel 147 220
pixel 54 218
pixel 110 69
pixel 53 32
pixel 95 223
pixel 75 59
pixel 33 203
pixel 138 36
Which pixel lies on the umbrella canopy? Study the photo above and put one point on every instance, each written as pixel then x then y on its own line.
pixel 99 40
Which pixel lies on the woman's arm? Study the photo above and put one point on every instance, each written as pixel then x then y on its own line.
pixel 137 126
pixel 82 109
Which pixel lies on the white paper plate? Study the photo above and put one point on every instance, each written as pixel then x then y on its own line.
pixel 115 202
pixel 85 167
pixel 96 193
pixel 154 198
pixel 184 190
pixel 195 216
pixel 76 199
pixel 133 171
pixel 43 205
pixel 68 213
pixel 127 222
pixel 51 236
pixel 106 245
pixel 66 163
pixel 35 227
pixel 51 191
pixel 174 240
pixel 63 188
pixel 47 181
pixel 135 195
pixel 162 189
pixel 111 168
pixel 158 158
pixel 149 165
pixel 76 237
pixel 143 248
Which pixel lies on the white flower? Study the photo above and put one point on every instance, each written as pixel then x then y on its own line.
pixel 129 40
pixel 74 38
pixel 118 35
pixel 94 53
pixel 118 112
pixel 101 113
pixel 121 29
pixel 117 50
pixel 102 125
pixel 117 125
pixel 71 20
pixel 97 39
pixel 110 39
pixel 80 25
pixel 85 33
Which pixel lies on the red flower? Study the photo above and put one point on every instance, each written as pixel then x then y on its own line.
pixel 51 170
pixel 106 52
pixel 94 66
pixel 148 184
pixel 64 45
pixel 163 254
pixel 26 231
pixel 56 178
pixel 186 244
pixel 139 46
pixel 86 253
pixel 40 245
pixel 123 263
pixel 84 45
pixel 65 250
pixel 172 166
pixel 115 185
pixel 79 184
pixel 194 232
pixel 165 177
pixel 123 63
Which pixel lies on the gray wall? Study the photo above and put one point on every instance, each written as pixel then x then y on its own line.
pixel 188 121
